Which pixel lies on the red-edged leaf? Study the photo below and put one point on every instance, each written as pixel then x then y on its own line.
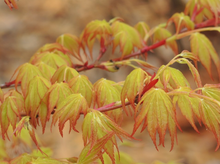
pixel 158 113
pixel 64 74
pixel 47 70
pixel 70 109
pixel 11 4
pixel 81 84
pixel 203 49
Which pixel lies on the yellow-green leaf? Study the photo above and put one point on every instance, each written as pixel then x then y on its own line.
pixel 158 113
pixel 203 49
pixel 70 109
pixel 47 70
pixel 81 84
pixel 143 30
pixel 64 74
pixel 1 96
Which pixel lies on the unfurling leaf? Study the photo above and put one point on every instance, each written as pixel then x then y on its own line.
pixel 203 49
pixel 54 59
pixel 143 30
pixel 10 110
pixel 126 37
pixel 100 30
pixel 180 20
pixel 172 78
pixel 71 42
pixel 47 70
pixel 57 93
pixel 26 72
pixel 133 86
pixel 70 109
pixel 88 156
pixel 161 34
pixel 36 92
pixel 107 92
pixel 157 112
pixel 81 84
pixel 212 90
pixel 64 74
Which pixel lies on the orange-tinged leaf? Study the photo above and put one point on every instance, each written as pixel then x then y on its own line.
pixel 47 70
pixel 96 29
pixel 211 91
pixel 133 86
pixel 64 74
pixel 37 90
pixel 143 30
pixel 52 47
pixel 26 72
pixel 21 124
pixel 11 4
pixel 172 78
pixel 88 156
pixel 161 34
pixel 22 159
pixel 57 93
pixel 70 109
pixel 53 59
pixel 126 37
pixel 81 84
pixel 71 42
pixel 157 112
pixel 203 49
pixel 181 20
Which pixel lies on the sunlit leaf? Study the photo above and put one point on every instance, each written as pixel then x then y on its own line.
pixel 70 109
pixel 26 72
pixel 81 84
pixel 212 91
pixel 203 49
pixel 47 70
pixel 52 47
pixel 71 42
pixel 158 113
pixel 97 29
pixel 64 74
pixel 37 89
pixel 57 93
pixel 172 77
pixel 161 34
pixel 181 20
pixel 133 85
pixel 126 37
pixel 143 30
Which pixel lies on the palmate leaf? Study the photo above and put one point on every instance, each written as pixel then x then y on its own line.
pixel 88 156
pixel 63 74
pixel 172 78
pixel 157 112
pixel 143 30
pixel 47 70
pixel 126 37
pixel 70 42
pixel 10 110
pixel 180 20
pixel 203 49
pixel 97 29
pixel 26 72
pixel 36 92
pixel 70 109
pixel 106 92
pixel 81 84
pixel 161 34
pixel 133 85
pixel 54 59
pixel 57 93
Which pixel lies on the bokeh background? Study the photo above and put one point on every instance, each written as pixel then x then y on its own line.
pixel 36 23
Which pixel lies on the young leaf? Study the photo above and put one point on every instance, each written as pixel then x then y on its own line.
pixel 161 34
pixel 81 84
pixel 37 89
pixel 126 37
pixel 211 91
pixel 203 49
pixel 22 159
pixel 133 85
pixel 71 42
pixel 57 93
pixel 181 20
pixel 143 30
pixel 1 96
pixel 64 74
pixel 26 72
pixel 157 112
pixel 47 70
pixel 172 78
pixel 11 4
pixel 70 109
pixel 96 29
pixel 52 59
pixel 52 47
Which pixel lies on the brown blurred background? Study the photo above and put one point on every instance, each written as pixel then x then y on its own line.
pixel 36 23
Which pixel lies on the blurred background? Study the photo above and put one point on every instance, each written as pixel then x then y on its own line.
pixel 35 23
